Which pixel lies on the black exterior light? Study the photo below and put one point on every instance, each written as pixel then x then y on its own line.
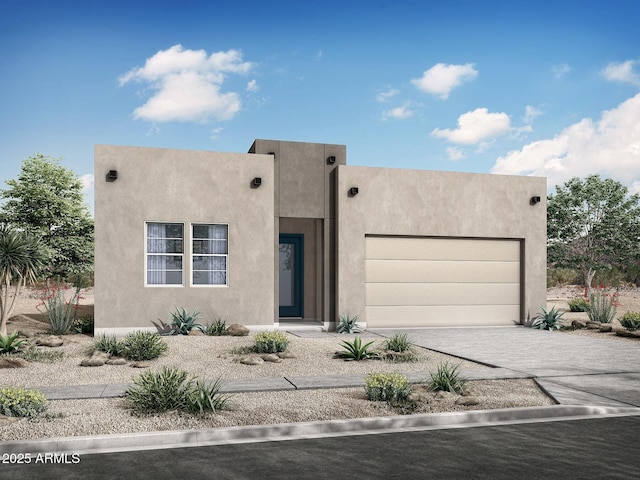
pixel 353 191
pixel 331 160
pixel 256 182
pixel 535 200
pixel 112 175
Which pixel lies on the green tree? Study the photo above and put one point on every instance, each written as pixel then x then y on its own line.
pixel 47 201
pixel 21 258
pixel 592 224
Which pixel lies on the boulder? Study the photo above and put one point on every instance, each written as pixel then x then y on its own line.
pixel 444 396
pixel 195 332
pixel 141 364
pixel 50 341
pixel 237 330
pixel 13 362
pixel 251 361
pixel 92 362
pixel 578 324
pixel 606 327
pixel 284 355
pixel 116 361
pixel 593 325
pixel 271 357
pixel 418 397
pixel 467 401
pixel 101 355
pixel 628 333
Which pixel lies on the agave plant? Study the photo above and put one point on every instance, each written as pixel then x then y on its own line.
pixel 11 343
pixel 355 350
pixel 348 324
pixel 183 322
pixel 548 320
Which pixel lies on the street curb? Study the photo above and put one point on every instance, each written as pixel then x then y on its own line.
pixel 293 431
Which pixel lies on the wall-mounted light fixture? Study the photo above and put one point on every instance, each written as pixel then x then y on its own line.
pixel 331 160
pixel 112 175
pixel 353 191
pixel 271 153
pixel 535 200
pixel 256 182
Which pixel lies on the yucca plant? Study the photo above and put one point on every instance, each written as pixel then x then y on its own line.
pixel 204 398
pixel 11 343
pixel 548 320
pixel 106 343
pixel 601 308
pixel 183 322
pixel 348 324
pixel 217 328
pixel 160 391
pixel 142 345
pixel 447 378
pixel 355 350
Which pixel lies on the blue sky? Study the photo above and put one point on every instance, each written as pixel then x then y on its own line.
pixel 539 87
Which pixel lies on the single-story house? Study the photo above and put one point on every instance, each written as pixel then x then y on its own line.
pixel 289 234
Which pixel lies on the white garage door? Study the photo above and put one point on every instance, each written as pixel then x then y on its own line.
pixel 432 282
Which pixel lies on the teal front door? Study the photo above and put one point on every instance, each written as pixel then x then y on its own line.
pixel 291 276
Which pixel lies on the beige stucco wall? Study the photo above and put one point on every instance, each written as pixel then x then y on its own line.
pixel 437 204
pixel 166 185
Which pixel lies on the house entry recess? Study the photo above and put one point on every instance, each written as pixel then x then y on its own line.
pixel 291 275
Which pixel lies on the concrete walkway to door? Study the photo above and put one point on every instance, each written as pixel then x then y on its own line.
pixel 574 369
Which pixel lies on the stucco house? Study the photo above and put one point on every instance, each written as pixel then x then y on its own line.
pixel 289 234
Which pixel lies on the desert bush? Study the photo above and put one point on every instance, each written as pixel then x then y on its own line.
pixel 578 304
pixel 83 325
pixel 106 343
pixel 142 345
pixel 355 350
pixel 270 342
pixel 217 328
pixel 34 354
pixel 601 308
pixel 630 321
pixel 60 313
pixel 387 387
pixel 173 389
pixel 348 324
pixel 548 320
pixel 399 349
pixel 447 378
pixel 11 343
pixel 557 277
pixel 20 402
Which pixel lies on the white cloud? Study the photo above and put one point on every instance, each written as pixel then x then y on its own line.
pixel 622 72
pixel 386 95
pixel 215 133
pixel 252 86
pixel 560 70
pixel 187 85
pixel 87 182
pixel 440 79
pixel 401 112
pixel 609 146
pixel 635 187
pixel 530 114
pixel 455 154
pixel 476 126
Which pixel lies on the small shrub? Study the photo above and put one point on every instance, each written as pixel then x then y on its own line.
pixel 217 328
pixel 83 325
pixel 447 378
pixel 11 343
pixel 106 343
pixel 355 350
pixel 399 342
pixel 578 304
pixel 387 387
pixel 630 321
pixel 60 313
pixel 348 324
pixel 548 320
pixel 270 342
pixel 601 308
pixel 34 354
pixel 182 322
pixel 205 398
pixel 20 402
pixel 142 345
pixel 159 391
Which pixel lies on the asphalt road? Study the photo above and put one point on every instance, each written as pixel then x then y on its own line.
pixel 602 448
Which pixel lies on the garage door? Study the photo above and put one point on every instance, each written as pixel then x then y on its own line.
pixel 441 282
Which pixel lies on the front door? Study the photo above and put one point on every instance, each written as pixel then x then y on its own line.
pixel 291 275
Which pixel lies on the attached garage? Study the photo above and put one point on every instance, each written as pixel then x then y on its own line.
pixel 434 282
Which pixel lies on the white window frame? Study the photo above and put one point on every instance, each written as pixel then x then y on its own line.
pixel 147 254
pixel 192 255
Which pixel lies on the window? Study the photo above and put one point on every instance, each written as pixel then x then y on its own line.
pixel 209 254
pixel 165 249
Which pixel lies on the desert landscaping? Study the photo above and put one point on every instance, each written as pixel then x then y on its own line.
pixel 212 357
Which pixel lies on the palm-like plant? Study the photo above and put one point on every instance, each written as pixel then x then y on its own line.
pixel 22 256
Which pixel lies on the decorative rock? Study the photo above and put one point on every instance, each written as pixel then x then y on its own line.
pixel 101 355
pixel 271 357
pixel 578 324
pixel 50 341
pixel 628 333
pixel 92 362
pixel 116 361
pixel 417 397
pixel 442 395
pixel 195 333
pixel 13 362
pixel 593 325
pixel 140 364
pixel 606 327
pixel 252 361
pixel 467 401
pixel 286 355
pixel 237 330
